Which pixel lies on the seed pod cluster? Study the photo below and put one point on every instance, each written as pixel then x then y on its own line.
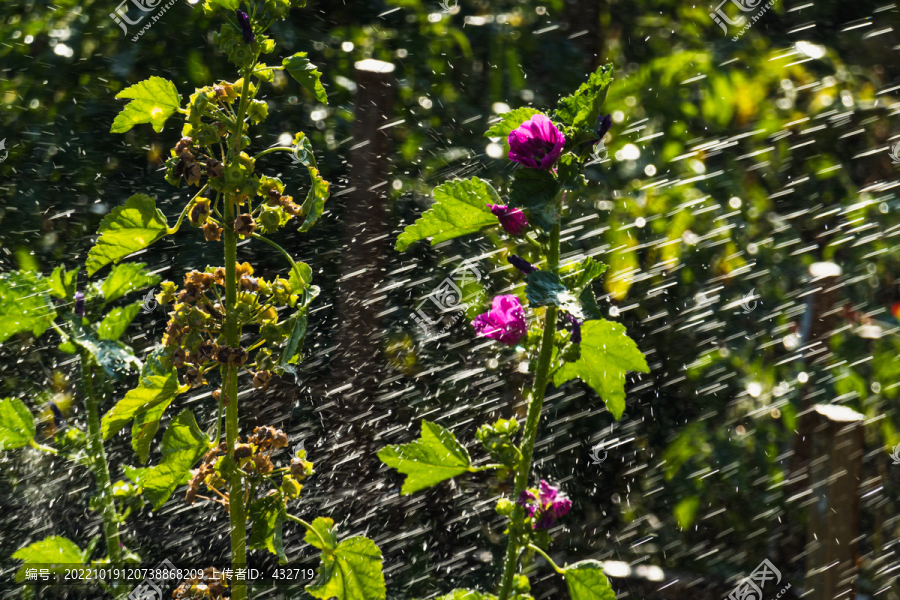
pixel 210 585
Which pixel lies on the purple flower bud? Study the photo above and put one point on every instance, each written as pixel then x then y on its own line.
pixel 246 29
pixel 512 220
pixel 505 322
pixel 603 126
pixel 547 505
pixel 536 143
pixel 521 264
pixel 79 304
pixel 575 338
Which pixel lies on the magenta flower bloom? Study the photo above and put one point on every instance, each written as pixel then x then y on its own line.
pixel 536 144
pixel 547 505
pixel 505 322
pixel 511 219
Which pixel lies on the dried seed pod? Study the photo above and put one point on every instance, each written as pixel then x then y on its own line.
pixel 192 173
pixel 251 284
pixel 263 464
pixel 280 440
pixel 199 212
pixel 242 451
pixel 238 357
pixel 244 225
pixel 178 358
pixel 219 275
pixel 182 145
pixel 214 167
pixel 216 395
pixel 261 380
pixel 205 353
pixel 194 377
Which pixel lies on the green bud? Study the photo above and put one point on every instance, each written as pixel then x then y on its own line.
pixel 505 507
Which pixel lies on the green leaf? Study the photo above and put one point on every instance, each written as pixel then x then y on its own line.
pixel 230 5
pixel 267 516
pixel 152 391
pixel 431 459
pixel 145 426
pixel 579 275
pixel 306 74
pixel 24 304
pixel 117 321
pixel 460 208
pixel 536 190
pixel 182 446
pixel 62 283
pixel 606 354
pixel 126 278
pixel 113 356
pixel 465 594
pixel 314 205
pixel 291 352
pixel 128 228
pixel 586 581
pixel 301 277
pixel 582 108
pixel 152 101
pixel 544 288
pixel 685 511
pixel 50 551
pixel 510 121
pixel 350 570
pixel 16 424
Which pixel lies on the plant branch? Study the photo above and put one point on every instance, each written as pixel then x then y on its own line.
pixel 547 558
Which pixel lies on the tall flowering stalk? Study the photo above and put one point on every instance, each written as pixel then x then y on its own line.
pixel 567 338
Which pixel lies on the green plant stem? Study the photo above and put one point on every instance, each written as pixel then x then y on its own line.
pixel 541 378
pixel 101 469
pixel 236 507
pixel 547 558
pixel 308 527
pixel 187 207
pixel 284 252
pixel 275 149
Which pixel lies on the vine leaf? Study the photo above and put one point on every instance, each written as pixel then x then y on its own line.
pixel 267 516
pixel 152 391
pixel 306 74
pixel 24 304
pixel 16 424
pixel 126 278
pixel 182 446
pixel 437 455
pixel 510 121
pixel 54 553
pixel 62 283
pixel 128 228
pixel 460 208
pixel 586 581
pixel 582 108
pixel 606 354
pixel 350 570
pixel 117 321
pixel 536 190
pixel 152 101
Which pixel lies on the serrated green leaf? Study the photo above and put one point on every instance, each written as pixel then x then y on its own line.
pixel 152 391
pixel 460 208
pixel 145 426
pixel 607 353
pixel 465 594
pixel 54 550
pixel 306 74
pixel 126 278
pixel 152 101
pixel 24 304
pixel 578 275
pixel 352 571
pixel 326 540
pixel 128 228
pixel 117 321
pixel 586 581
pixel 114 357
pixel 434 457
pixel 536 190
pixel 182 446
pixel 267 516
pixel 510 121
pixel 301 277
pixel 62 283
pixel 544 288
pixel 16 424
pixel 582 108
pixel 314 205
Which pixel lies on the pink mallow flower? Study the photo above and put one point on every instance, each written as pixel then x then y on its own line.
pixel 512 220
pixel 547 505
pixel 505 322
pixel 536 143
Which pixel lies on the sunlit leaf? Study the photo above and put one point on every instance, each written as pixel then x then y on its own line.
pixel 153 390
pixel 152 101
pixel 607 353
pixel 24 304
pixel 685 511
pixel 291 353
pixel 306 74
pixel 128 228
pixel 314 204
pixel 54 553
pixel 544 288
pixel 145 426
pixel 460 208
pixel 267 516
pixel 117 321
pixel 586 581
pixel 16 424
pixel 126 278
pixel 114 357
pixel 350 570
pixel 510 121
pixel 434 457
pixel 582 108
pixel 466 595
pixel 301 277
pixel 62 283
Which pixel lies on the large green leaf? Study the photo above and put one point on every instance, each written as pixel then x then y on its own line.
pixel 182 446
pixel 586 581
pixel 117 321
pixel 114 357
pixel 128 228
pixel 152 101
pixel 460 208
pixel 350 570
pixel 24 304
pixel 607 353
pixel 465 594
pixel 126 278
pixel 54 553
pixel 510 121
pixel 152 391
pixel 434 457
pixel 301 276
pixel 267 515
pixel 314 204
pixel 16 424
pixel 544 288
pixel 537 190
pixel 306 74
pixel 145 426
pixel 582 108
pixel 62 283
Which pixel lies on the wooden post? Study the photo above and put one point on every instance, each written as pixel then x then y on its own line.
pixel 366 232
pixel 835 469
